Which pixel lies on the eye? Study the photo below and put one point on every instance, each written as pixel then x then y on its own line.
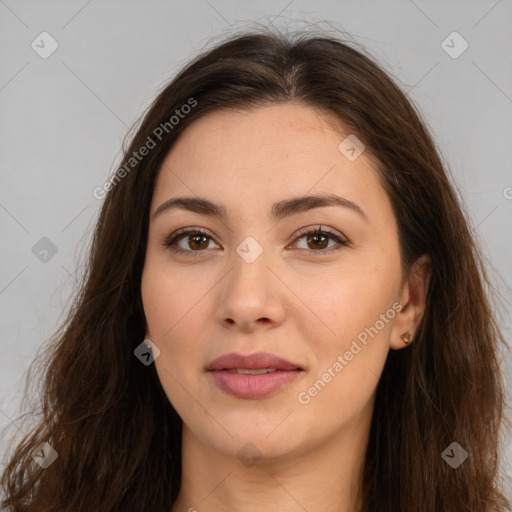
pixel 197 240
pixel 318 238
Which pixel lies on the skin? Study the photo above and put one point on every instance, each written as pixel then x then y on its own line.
pixel 302 306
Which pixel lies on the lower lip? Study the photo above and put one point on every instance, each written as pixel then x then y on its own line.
pixel 253 386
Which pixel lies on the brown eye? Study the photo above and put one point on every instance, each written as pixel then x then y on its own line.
pixel 196 239
pixel 198 242
pixel 317 241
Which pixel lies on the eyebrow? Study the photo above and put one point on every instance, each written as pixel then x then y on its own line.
pixel 280 210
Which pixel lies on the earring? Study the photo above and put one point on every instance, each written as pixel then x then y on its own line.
pixel 406 337
pixel 147 342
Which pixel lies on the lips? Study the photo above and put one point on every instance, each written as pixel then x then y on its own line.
pixel 253 376
pixel 257 361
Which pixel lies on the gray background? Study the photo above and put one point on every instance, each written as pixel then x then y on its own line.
pixel 63 119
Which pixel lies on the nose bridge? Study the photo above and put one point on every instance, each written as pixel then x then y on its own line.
pixel 250 289
pixel 250 262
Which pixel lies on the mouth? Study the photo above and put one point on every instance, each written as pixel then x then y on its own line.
pixel 261 361
pixel 253 376
pixel 246 371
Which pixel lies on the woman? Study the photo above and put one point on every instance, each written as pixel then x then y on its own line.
pixel 284 308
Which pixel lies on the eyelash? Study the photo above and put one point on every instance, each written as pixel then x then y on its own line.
pixel 178 235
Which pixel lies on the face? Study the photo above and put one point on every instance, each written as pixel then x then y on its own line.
pixel 258 281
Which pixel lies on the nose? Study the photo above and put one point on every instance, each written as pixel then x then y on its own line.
pixel 252 295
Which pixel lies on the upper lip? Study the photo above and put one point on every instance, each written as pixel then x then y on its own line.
pixel 254 361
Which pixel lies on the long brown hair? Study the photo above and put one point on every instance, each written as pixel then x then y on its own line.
pixel 117 436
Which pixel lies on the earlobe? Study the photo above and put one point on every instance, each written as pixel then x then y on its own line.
pixel 413 303
pixel 406 337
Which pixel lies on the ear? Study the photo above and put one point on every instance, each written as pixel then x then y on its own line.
pixel 413 301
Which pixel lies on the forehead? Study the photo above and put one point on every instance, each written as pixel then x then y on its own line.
pixel 277 130
pixel 264 154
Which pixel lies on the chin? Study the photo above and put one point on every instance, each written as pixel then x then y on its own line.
pixel 253 439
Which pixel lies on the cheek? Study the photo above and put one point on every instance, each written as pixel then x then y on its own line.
pixel 348 363
pixel 169 298
pixel 344 301
pixel 169 313
pixel 354 315
pixel 174 308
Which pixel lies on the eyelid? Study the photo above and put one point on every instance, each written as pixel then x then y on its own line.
pixel 340 239
pixel 322 229
pixel 170 240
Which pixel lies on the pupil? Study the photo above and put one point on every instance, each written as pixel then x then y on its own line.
pixel 195 238
pixel 316 237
